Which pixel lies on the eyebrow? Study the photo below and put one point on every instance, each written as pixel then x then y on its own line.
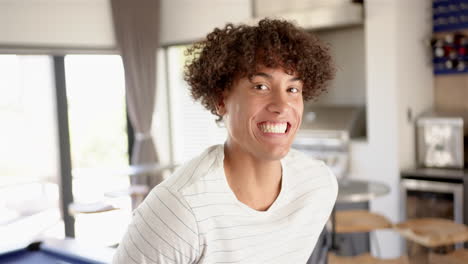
pixel 268 76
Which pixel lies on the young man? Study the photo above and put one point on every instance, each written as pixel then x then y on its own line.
pixel 253 199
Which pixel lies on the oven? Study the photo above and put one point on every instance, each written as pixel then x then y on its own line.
pixel 438 193
pixel 425 198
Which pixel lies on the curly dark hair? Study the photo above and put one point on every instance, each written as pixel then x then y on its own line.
pixel 236 51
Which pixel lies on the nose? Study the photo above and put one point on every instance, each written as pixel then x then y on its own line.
pixel 279 103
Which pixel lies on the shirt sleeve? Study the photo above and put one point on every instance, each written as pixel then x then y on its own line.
pixel 163 230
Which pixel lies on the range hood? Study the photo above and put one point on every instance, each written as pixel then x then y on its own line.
pixel 318 16
pixel 350 120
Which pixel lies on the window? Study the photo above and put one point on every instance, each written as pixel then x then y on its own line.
pixel 194 127
pixel 98 143
pixel 29 166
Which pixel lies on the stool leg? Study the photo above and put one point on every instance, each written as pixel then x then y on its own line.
pixel 334 246
pixel 428 255
pixel 353 248
pixel 373 236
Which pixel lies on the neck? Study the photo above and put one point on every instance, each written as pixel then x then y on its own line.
pixel 254 181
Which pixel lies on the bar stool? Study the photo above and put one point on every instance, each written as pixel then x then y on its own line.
pixel 353 221
pixel 459 256
pixel 433 233
pixel 360 221
pixel 365 259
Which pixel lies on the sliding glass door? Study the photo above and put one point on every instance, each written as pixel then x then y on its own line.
pixel 98 144
pixel 193 127
pixel 29 153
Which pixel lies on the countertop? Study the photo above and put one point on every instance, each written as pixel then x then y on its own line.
pixel 456 175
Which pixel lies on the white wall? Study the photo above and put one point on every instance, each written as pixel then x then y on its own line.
pixel 414 73
pixel 88 23
pixel 415 78
pixel 382 67
pixel 58 23
pixel 398 78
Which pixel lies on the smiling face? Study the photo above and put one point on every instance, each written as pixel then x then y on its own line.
pixel 263 113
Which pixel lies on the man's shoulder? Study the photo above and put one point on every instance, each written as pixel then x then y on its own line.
pixel 304 169
pixel 296 155
pixel 192 171
pixel 303 163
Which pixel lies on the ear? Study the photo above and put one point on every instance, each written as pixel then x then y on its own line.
pixel 220 105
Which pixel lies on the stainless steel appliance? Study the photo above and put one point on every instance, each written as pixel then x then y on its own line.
pixel 326 132
pixel 441 140
pixel 439 193
pixel 425 198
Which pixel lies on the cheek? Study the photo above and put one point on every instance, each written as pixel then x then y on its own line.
pixel 235 115
pixel 298 106
pixel 245 109
pixel 298 111
pixel 301 110
pixel 235 112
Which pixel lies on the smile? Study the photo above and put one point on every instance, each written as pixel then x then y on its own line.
pixel 274 127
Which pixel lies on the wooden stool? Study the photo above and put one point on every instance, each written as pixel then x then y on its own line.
pixel 459 256
pixel 359 221
pixel 355 221
pixel 364 259
pixel 433 232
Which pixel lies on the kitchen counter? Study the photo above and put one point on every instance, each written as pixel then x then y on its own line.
pixel 434 174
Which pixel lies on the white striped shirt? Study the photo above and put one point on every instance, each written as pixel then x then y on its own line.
pixel 194 217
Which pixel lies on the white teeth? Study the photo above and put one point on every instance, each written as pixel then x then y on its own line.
pixel 279 128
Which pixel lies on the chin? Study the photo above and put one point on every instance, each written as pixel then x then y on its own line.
pixel 277 154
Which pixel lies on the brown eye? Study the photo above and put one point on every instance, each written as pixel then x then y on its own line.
pixel 261 87
pixel 293 90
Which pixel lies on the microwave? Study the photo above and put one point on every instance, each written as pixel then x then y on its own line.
pixel 442 140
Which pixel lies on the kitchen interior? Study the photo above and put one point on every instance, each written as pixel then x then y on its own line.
pixel 393 125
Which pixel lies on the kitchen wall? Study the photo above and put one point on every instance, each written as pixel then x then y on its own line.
pixel 348 49
pixel 399 82
pixel 451 92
